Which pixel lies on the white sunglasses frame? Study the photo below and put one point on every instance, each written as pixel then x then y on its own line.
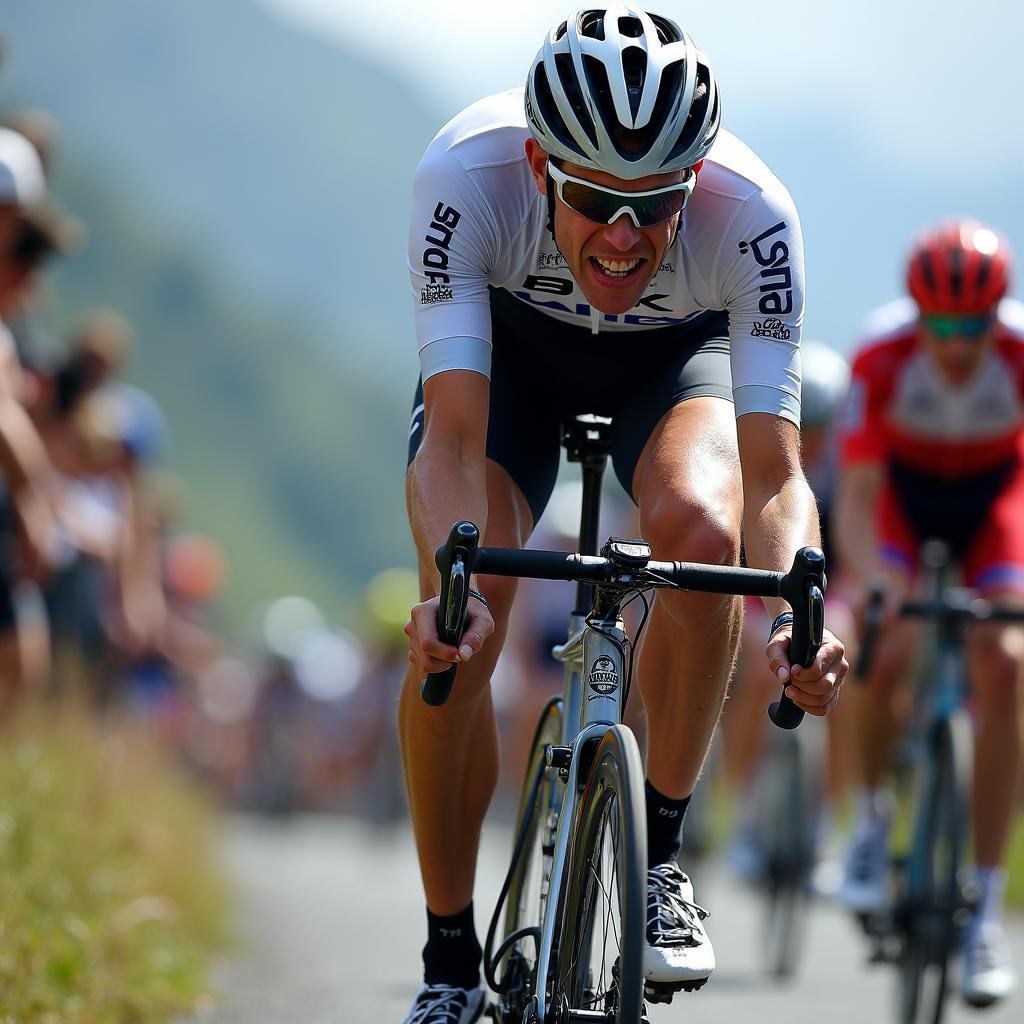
pixel 560 177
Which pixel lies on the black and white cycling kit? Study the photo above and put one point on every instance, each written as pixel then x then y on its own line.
pixel 494 295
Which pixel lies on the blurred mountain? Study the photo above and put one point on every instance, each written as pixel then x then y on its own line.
pixel 288 159
pixel 225 170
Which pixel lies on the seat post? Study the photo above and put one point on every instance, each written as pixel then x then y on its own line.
pixel 586 440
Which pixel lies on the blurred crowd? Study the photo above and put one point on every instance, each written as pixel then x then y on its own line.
pixel 108 601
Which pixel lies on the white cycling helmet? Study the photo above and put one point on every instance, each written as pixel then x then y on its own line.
pixel 824 379
pixel 622 91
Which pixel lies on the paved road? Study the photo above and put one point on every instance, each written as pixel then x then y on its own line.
pixel 331 923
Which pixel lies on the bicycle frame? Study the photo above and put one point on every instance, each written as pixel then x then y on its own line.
pixel 597 666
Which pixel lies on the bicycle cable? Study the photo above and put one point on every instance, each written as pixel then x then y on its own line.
pixel 491 960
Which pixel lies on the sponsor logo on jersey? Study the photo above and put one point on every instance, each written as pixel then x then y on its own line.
pixel 773 327
pixel 582 309
pixel 551 261
pixel 436 293
pixel 435 256
pixel 777 289
pixel 603 678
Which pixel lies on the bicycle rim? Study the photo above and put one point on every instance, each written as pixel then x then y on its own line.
pixel 600 960
pixel 933 899
pixel 788 820
pixel 527 891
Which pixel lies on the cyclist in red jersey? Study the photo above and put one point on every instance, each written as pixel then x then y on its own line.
pixel 932 447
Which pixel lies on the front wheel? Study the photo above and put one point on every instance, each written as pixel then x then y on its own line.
pixel 600 954
pixel 789 805
pixel 526 898
pixel 932 911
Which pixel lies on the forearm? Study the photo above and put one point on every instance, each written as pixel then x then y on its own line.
pixel 23 459
pixel 776 524
pixel 444 487
pixel 856 530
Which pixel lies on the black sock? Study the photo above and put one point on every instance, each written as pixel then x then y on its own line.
pixel 664 825
pixel 452 954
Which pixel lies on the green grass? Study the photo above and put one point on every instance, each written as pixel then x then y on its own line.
pixel 110 901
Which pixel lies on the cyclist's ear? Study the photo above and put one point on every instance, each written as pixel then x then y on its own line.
pixel 538 161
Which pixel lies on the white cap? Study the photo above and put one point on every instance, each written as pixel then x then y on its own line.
pixel 22 182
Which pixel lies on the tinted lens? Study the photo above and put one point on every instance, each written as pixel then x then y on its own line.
pixel 946 327
pixel 601 206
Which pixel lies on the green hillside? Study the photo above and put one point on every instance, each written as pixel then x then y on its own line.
pixel 293 463
pixel 289 159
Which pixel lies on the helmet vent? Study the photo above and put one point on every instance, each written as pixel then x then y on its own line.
pixel 634 67
pixel 570 87
pixel 631 27
pixel 630 144
pixel 591 24
pixel 561 30
pixel 548 110
pixel 668 32
pixel 697 116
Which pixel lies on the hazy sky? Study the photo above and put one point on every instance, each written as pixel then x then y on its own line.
pixel 939 81
pixel 880 117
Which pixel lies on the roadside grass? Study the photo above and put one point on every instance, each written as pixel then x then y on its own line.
pixel 111 905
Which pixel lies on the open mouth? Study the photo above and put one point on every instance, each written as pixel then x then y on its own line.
pixel 616 270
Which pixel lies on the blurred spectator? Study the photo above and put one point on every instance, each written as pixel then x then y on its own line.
pixel 29 233
pixel 40 128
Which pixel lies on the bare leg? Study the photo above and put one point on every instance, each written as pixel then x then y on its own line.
pixel 995 655
pixel 687 484
pixel 450 754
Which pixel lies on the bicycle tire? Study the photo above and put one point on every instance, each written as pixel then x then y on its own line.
pixel 600 959
pixel 790 806
pixel 524 906
pixel 930 911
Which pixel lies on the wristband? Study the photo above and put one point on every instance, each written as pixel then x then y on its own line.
pixel 785 619
pixel 483 600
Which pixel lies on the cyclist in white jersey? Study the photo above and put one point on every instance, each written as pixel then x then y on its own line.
pixel 597 244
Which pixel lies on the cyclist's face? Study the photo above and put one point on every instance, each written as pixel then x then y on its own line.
pixel 956 357
pixel 612 263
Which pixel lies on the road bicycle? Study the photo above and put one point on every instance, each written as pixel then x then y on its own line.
pixel 921 932
pixel 566 940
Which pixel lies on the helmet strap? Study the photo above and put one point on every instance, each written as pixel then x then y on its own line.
pixel 551 204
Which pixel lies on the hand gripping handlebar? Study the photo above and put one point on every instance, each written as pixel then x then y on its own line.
pixel 455 559
pixel 803 587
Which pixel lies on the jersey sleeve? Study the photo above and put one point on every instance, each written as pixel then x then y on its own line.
pixel 862 419
pixel 762 287
pixel 451 247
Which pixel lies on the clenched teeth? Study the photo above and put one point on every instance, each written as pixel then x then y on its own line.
pixel 617 268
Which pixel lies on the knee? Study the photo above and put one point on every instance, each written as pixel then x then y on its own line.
pixel 995 663
pixel 692 530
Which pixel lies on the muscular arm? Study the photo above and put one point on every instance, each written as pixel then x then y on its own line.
pixel 856 534
pixel 779 511
pixel 447 479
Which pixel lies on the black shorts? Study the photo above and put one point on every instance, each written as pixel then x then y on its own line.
pixel 545 372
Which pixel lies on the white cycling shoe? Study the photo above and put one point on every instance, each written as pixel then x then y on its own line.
pixel 678 953
pixel 989 974
pixel 446 1004
pixel 865 885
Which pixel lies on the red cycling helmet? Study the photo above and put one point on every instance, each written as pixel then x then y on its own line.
pixel 961 267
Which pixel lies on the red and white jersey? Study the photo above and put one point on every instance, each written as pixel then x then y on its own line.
pixel 900 407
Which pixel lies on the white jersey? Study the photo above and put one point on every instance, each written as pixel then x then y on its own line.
pixel 479 220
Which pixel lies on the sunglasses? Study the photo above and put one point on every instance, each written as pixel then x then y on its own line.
pixel 945 328
pixel 606 205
